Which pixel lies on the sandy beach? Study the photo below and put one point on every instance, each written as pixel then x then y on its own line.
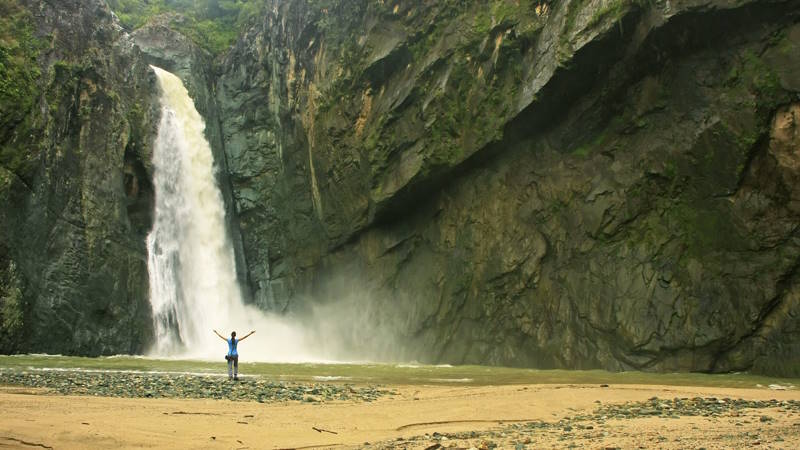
pixel 420 416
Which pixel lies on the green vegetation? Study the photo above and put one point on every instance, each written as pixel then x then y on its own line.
pixel 572 15
pixel 585 149
pixel 212 24
pixel 754 73
pixel 391 373
pixel 500 13
pixel 707 229
pixel 19 86
pixel 18 69
pixel 610 12
pixel 11 302
pixel 603 137
pixel 614 10
pixel 765 81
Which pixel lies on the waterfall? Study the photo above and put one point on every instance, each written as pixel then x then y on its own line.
pixel 193 286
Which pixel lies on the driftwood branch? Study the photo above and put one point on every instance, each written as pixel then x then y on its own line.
pixel 32 444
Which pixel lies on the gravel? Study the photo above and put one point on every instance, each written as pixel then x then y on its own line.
pixel 147 385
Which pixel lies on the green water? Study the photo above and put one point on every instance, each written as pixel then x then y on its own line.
pixel 389 373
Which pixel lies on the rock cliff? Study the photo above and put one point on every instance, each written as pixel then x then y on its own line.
pixel 552 184
pixel 76 131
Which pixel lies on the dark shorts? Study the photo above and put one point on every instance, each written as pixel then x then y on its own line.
pixel 234 360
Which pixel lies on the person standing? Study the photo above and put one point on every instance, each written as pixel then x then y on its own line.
pixel 233 354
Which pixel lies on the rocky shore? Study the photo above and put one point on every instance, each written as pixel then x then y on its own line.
pixel 739 424
pixel 69 408
pixel 175 385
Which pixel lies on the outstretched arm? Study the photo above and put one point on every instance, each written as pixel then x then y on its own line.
pixel 220 336
pixel 248 335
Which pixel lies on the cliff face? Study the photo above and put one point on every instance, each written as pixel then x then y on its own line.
pixel 74 182
pixel 577 184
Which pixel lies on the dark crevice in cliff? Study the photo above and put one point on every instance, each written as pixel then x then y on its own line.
pixel 139 192
pixel 18 178
pixel 643 359
pixel 8 128
pixel 784 285
pixel 756 150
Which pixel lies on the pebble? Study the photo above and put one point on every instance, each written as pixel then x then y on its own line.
pixel 698 406
pixel 149 385
pixel 585 425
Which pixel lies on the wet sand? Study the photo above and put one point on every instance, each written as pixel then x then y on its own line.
pixel 417 417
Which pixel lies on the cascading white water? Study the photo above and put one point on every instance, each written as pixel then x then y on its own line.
pixel 193 286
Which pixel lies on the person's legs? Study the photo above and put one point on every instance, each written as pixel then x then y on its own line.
pixel 236 367
pixel 230 368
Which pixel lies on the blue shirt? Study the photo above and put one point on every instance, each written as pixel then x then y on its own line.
pixel 232 347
